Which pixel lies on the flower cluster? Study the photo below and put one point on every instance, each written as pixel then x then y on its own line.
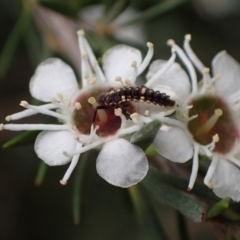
pixel 206 120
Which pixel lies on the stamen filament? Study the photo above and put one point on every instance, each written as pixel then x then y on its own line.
pixel 101 114
pixel 147 59
pixel 193 57
pixel 84 149
pixel 162 70
pixel 210 171
pixel 70 169
pixel 187 63
pixel 43 111
pixel 28 112
pixel 21 127
pixel 212 121
pixel 194 168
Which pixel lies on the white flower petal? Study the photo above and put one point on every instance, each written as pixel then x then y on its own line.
pixel 226 179
pixel 117 62
pixel 122 163
pixel 229 71
pixel 174 144
pixel 50 146
pixel 51 77
pixel 175 77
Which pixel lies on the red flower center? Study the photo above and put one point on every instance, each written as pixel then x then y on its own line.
pixel 107 121
pixel 204 126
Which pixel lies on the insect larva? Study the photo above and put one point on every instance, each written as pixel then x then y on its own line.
pixel 120 98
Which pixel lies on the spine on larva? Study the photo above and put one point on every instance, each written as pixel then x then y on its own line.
pixel 143 94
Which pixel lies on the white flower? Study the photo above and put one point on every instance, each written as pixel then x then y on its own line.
pixel 93 18
pixel 209 115
pixel 119 162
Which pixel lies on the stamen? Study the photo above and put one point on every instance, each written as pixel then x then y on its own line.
pixel 212 121
pixel 60 96
pixel 118 111
pixel 102 114
pixel 135 118
pixel 147 113
pixel 1 126
pixel 135 72
pixel 43 111
pixel 86 75
pixel 119 79
pixel 22 127
pixel 193 57
pixel 53 100
pixel 162 70
pixel 71 167
pixel 28 112
pixel 211 170
pixel 92 101
pixel 24 104
pixel 93 81
pixel 77 105
pixel 8 118
pixel 84 149
pixel 147 59
pixel 194 168
pixel 68 103
pixel 80 32
pixel 128 130
pixel 128 82
pixel 97 69
pixel 192 117
pixel 187 63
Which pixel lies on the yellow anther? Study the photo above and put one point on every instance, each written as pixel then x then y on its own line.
pixel 216 138
pixel 8 118
pixel 118 111
pixel 60 96
pixel 92 100
pixel 80 32
pixel 134 64
pixel 149 44
pixel 188 37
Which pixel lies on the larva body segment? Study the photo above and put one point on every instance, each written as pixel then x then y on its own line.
pixel 117 98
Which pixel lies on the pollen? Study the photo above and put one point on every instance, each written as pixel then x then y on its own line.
pixel 77 105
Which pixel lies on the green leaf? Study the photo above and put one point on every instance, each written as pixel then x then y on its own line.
pixel 183 203
pixel 218 208
pixel 15 36
pixel 41 173
pixel 155 11
pixel 23 139
pixel 146 214
pixel 144 137
pixel 77 188
pixel 181 183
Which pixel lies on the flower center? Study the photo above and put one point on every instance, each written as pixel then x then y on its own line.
pixel 213 118
pixel 106 120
